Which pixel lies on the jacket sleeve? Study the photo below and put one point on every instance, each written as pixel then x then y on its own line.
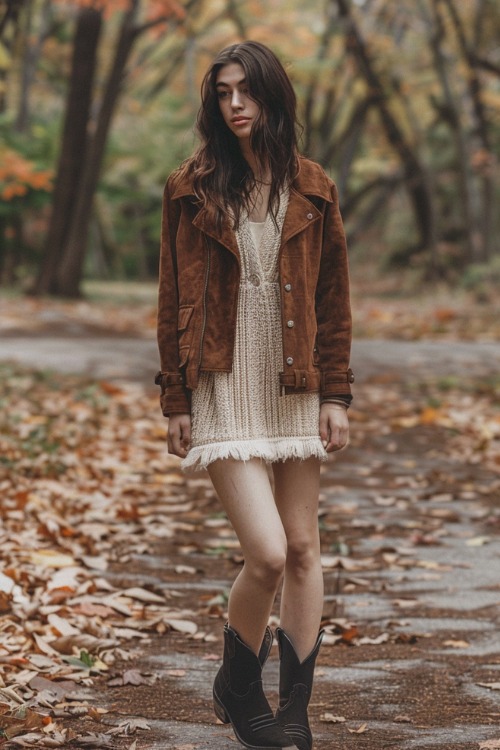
pixel 175 397
pixel 333 309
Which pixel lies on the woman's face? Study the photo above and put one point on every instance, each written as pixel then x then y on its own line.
pixel 237 108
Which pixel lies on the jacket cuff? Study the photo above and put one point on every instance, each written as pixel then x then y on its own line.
pixel 339 398
pixel 175 398
pixel 335 383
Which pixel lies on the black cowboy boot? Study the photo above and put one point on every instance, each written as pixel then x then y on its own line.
pixel 296 679
pixel 239 698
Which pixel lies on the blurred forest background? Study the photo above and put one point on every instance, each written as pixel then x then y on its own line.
pixel 400 103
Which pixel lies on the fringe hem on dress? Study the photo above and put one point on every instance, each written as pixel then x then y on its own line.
pixel 270 450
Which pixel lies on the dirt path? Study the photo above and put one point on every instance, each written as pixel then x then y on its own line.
pixel 419 582
pixel 410 527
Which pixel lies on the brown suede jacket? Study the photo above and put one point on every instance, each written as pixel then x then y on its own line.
pixel 198 292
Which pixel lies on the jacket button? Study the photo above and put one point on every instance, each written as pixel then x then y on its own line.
pixel 290 324
pixel 254 279
pixel 288 287
pixel 289 360
pixel 309 216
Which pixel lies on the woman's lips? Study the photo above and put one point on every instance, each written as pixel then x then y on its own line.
pixel 240 121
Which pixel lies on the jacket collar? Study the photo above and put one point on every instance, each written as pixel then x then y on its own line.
pixel 310 181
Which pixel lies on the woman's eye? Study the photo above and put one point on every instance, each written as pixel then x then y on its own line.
pixel 222 94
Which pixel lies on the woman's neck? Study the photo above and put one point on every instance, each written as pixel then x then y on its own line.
pixel 259 200
pixel 261 172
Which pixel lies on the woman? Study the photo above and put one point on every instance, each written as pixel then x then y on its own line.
pixel 254 333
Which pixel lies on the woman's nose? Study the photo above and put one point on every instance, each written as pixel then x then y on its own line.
pixel 236 102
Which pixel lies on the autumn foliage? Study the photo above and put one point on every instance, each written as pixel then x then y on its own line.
pixel 18 176
pixel 155 9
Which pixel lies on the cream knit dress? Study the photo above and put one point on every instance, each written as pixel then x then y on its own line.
pixel 241 414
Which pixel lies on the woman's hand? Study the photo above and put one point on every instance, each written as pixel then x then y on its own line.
pixel 179 434
pixel 333 426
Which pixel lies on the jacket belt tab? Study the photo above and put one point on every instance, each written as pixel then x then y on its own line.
pixel 300 379
pixel 165 379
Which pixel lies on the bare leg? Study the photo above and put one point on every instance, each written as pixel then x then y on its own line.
pixel 245 492
pixel 297 493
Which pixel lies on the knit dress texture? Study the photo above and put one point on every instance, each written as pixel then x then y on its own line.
pixel 241 414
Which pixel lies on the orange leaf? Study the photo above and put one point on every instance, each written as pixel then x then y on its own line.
pixel 429 416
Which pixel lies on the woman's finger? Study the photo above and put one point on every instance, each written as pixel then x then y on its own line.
pixel 179 435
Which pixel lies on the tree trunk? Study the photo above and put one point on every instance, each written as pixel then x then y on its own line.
pixel 486 230
pixel 74 147
pixel 416 179
pixel 11 14
pixel 71 267
pixel 451 116
pixel 312 89
pixel 10 25
pixel 31 55
pixel 62 274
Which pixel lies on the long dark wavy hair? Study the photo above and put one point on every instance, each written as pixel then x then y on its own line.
pixel 223 179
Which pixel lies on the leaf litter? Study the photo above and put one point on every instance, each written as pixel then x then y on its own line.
pixel 84 480
pixel 87 484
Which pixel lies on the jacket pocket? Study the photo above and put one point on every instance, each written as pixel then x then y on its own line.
pixel 184 316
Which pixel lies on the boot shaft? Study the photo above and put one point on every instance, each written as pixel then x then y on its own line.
pixel 241 666
pixel 293 672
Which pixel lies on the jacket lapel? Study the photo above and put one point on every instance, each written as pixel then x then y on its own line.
pixel 225 235
pixel 300 213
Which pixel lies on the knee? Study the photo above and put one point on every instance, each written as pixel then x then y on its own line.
pixel 303 554
pixel 268 568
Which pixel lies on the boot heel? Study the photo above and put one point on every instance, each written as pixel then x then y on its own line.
pixel 220 711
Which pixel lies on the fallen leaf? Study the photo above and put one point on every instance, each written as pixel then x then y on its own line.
pixel 131 677
pixel 143 595
pixel 51 558
pixel 93 610
pixel 349 635
pixel 59 688
pixel 129 726
pixel 61 626
pixel 95 563
pixel 456 644
pixel 182 626
pixel 478 541
pixel 6 584
pixel 187 569
pixel 79 641
pixel 367 641
pixel 359 730
pixel 331 719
